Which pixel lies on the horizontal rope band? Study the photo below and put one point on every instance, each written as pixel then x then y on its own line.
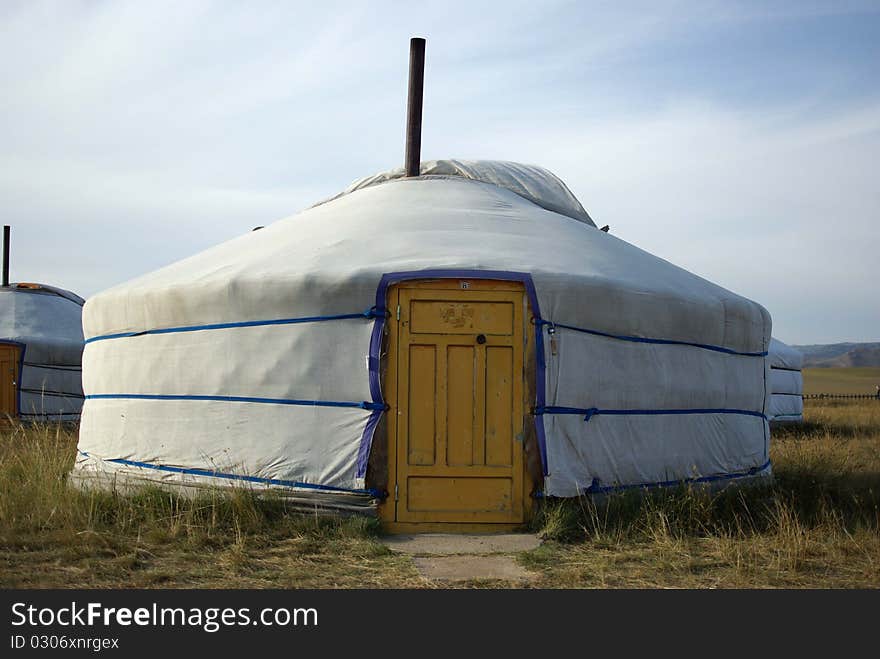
pixel 364 405
pixel 596 487
pixel 50 414
pixel 589 412
pixel 372 312
pixel 54 367
pixel 237 477
pixel 46 392
pixel 783 368
pixel 639 339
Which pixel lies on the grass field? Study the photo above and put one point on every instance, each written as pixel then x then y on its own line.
pixel 841 380
pixel 818 525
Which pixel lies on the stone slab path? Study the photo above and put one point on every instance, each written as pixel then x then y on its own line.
pixel 447 557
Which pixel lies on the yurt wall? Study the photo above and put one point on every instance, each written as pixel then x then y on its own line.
pixel 786 384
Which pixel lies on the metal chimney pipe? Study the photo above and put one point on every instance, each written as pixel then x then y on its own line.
pixel 6 230
pixel 414 106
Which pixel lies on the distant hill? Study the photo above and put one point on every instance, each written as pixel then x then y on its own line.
pixel 840 355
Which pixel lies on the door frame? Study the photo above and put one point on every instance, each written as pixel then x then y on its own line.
pixel 18 376
pixel 485 282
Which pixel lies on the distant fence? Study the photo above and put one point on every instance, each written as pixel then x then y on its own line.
pixel 864 396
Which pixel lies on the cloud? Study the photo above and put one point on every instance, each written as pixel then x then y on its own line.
pixel 136 134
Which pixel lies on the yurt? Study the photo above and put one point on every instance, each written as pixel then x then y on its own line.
pixel 449 345
pixel 786 384
pixel 41 345
pixel 442 344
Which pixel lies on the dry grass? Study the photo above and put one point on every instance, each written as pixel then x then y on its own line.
pixel 851 380
pixel 816 526
pixel 54 535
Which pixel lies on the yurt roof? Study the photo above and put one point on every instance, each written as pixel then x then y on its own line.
pixel 330 258
pixel 531 182
pixel 45 318
pixel 783 355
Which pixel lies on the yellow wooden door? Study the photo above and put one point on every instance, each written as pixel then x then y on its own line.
pixel 9 355
pixel 459 403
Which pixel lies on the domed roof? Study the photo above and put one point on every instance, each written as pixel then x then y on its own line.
pixel 531 182
pixel 46 318
pixel 329 259
pixel 783 355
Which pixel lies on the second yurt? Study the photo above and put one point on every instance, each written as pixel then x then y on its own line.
pixel 41 344
pixel 786 384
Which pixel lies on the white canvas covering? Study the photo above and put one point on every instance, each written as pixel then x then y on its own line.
pixel 528 181
pixel 786 383
pixel 241 397
pixel 47 323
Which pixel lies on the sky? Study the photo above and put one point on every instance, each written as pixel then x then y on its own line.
pixel 739 140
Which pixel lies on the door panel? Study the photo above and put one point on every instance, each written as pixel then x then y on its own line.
pixel 499 406
pixel 459 405
pixel 422 394
pixel 448 317
pixel 459 495
pixel 9 357
pixel 460 417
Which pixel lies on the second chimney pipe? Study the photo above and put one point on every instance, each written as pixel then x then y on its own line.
pixel 6 255
pixel 414 106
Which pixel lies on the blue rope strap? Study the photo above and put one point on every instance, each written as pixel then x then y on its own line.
pixel 589 412
pixel 49 414
pixel 596 487
pixel 364 405
pixel 240 477
pixel 639 339
pixel 372 312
